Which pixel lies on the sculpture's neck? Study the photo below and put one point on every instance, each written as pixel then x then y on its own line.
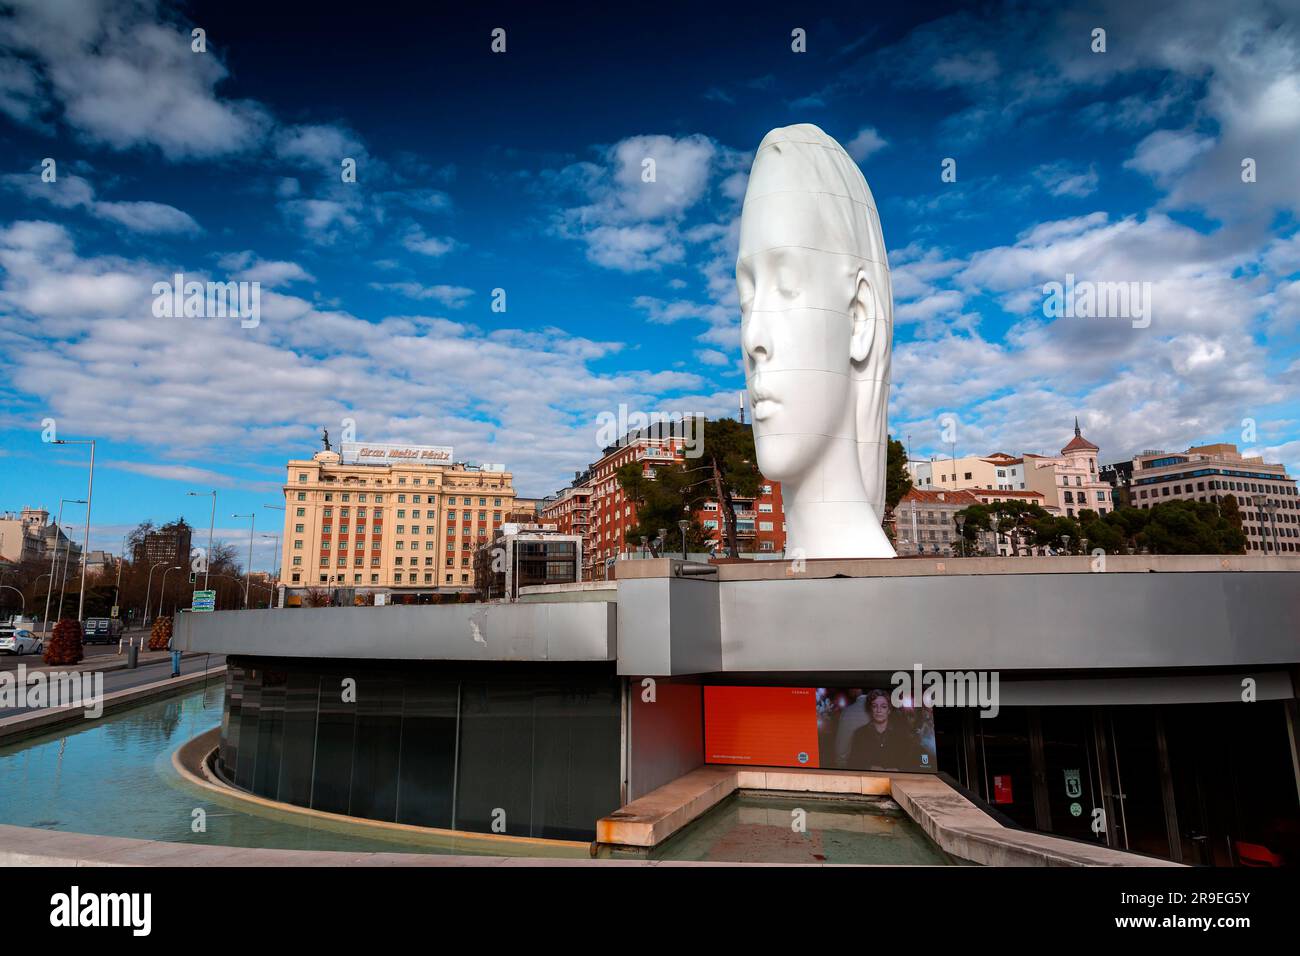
pixel 827 514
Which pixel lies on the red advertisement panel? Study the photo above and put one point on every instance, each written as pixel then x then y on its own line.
pixel 763 726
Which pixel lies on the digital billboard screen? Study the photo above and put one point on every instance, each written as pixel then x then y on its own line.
pixel 834 728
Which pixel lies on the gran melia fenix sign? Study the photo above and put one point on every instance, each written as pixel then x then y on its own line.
pixel 383 453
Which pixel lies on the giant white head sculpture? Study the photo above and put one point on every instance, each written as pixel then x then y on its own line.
pixel 817 323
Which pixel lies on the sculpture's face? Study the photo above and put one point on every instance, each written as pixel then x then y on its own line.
pixel 795 331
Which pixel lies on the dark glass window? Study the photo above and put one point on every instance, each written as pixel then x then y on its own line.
pixel 428 755
pixel 249 713
pixel 335 733
pixel 270 730
pixel 299 749
pixel 375 758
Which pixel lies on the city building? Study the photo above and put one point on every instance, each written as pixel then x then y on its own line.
pixel 595 506
pixel 1120 478
pixel 170 544
pixel 924 521
pixel 30 536
pixel 1265 494
pixel 1069 482
pixel 998 470
pixel 1066 483
pixel 525 510
pixel 402 520
pixel 526 555
pixel 101 562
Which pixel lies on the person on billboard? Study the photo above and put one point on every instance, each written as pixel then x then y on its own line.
pixel 886 741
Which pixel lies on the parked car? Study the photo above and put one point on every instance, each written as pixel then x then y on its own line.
pixel 102 630
pixel 19 640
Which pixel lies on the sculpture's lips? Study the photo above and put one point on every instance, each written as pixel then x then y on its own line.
pixel 764 403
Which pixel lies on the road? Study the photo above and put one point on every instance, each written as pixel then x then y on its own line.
pixel 126 679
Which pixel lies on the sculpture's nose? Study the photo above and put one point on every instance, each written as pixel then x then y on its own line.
pixel 756 339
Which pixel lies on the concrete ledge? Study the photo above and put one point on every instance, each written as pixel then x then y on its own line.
pixel 193 762
pixel 949 819
pixel 922 567
pixel 965 831
pixel 35 722
pixel 24 846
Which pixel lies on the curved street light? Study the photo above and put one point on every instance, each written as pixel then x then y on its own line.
pixel 58 530
pixel 85 540
pixel 148 590
pixel 162 588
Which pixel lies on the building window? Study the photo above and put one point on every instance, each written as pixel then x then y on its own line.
pixel 302 496
pixel 302 476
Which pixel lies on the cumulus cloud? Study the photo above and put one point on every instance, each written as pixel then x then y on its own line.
pixel 122 74
pixel 72 323
pixel 452 296
pixel 69 191
pixel 865 144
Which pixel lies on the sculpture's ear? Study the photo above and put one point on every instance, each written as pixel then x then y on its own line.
pixel 864 311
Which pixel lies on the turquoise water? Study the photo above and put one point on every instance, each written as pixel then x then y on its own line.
pixel 753 828
pixel 114 777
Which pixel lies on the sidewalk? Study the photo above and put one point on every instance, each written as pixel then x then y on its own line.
pixel 101 662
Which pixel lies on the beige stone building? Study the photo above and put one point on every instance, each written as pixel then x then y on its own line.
pixel 1070 482
pixel 30 535
pixel 1266 495
pixel 401 528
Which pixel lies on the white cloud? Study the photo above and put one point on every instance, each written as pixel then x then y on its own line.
pixel 120 74
pixel 452 296
pixel 211 390
pixel 69 191
pixel 434 246
pixel 867 143
pixel 1166 152
pixel 1060 179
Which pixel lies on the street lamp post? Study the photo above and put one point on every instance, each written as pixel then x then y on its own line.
pixel 63 582
pixel 275 561
pixel 121 560
pixel 162 588
pixel 212 523
pixel 252 534
pixel 1263 504
pixel 58 530
pixel 85 540
pixel 683 524
pixel 148 590
pixel 961 537
pixel 279 581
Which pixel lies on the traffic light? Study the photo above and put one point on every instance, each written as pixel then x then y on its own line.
pixel 193 577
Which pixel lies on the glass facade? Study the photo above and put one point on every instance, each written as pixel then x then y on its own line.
pixel 1207 784
pixel 528 752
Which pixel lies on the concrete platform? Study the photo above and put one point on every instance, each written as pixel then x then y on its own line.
pixel 959 827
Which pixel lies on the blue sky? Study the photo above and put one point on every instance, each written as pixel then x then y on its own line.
pixel 522 171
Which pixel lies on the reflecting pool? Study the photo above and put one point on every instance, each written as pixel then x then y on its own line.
pixel 766 828
pixel 114 777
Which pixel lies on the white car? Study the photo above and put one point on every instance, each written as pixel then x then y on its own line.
pixel 19 640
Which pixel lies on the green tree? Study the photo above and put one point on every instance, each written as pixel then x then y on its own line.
pixel 1191 527
pixel 725 470
pixel 729 455
pixel 897 480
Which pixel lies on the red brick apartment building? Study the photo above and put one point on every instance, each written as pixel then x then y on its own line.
pixel 595 507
